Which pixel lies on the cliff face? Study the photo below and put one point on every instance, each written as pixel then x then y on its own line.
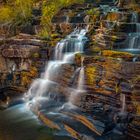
pixel 22 59
pixel 108 76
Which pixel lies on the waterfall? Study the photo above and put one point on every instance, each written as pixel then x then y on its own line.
pixel 67 19
pixel 64 53
pixel 59 49
pixel 134 38
pixel 135 59
pixel 52 69
pixel 72 43
pixel 134 17
pixel 81 79
pixel 74 76
pixel 134 41
pixel 123 100
pixel 79 89
pixel 80 85
pixel 68 57
pixel 138 27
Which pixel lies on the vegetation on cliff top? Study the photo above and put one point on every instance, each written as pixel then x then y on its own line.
pixel 49 9
pixel 16 12
pixel 20 12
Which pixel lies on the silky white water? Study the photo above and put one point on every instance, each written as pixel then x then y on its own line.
pixel 81 77
pixel 123 100
pixel 64 53
pixel 138 28
pixel 134 17
pixel 133 41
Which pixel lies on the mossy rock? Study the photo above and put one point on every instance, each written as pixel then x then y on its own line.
pixel 35 55
pixel 95 49
pixel 55 36
pixel 90 74
pixel 93 11
pixel 116 54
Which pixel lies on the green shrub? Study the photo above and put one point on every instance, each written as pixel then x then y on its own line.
pixel 17 12
pixel 51 7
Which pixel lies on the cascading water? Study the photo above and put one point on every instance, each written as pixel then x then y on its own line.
pixel 123 100
pixel 73 43
pixel 44 98
pixel 59 49
pixel 134 38
pixel 134 41
pixel 81 77
pixel 134 17
pixel 68 57
pixel 80 84
pixel 81 80
pixel 138 27
pixel 64 53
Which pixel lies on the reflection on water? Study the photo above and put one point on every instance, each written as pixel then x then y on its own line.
pixel 18 123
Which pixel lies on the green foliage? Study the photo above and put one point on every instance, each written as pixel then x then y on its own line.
pixel 6 14
pixel 50 8
pixel 93 11
pixel 17 12
pixel 90 73
pixel 44 34
pixel 23 10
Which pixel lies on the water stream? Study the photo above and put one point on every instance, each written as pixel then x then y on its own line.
pixel 134 17
pixel 138 27
pixel 65 50
pixel 81 77
pixel 123 100
pixel 133 41
pixel 134 38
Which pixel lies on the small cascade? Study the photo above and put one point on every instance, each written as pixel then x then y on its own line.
pixel 81 77
pixel 75 75
pixel 134 38
pixel 67 19
pixel 134 17
pixel 138 27
pixel 123 100
pixel 52 69
pixel 72 43
pixel 59 50
pixel 75 94
pixel 68 57
pixel 133 41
